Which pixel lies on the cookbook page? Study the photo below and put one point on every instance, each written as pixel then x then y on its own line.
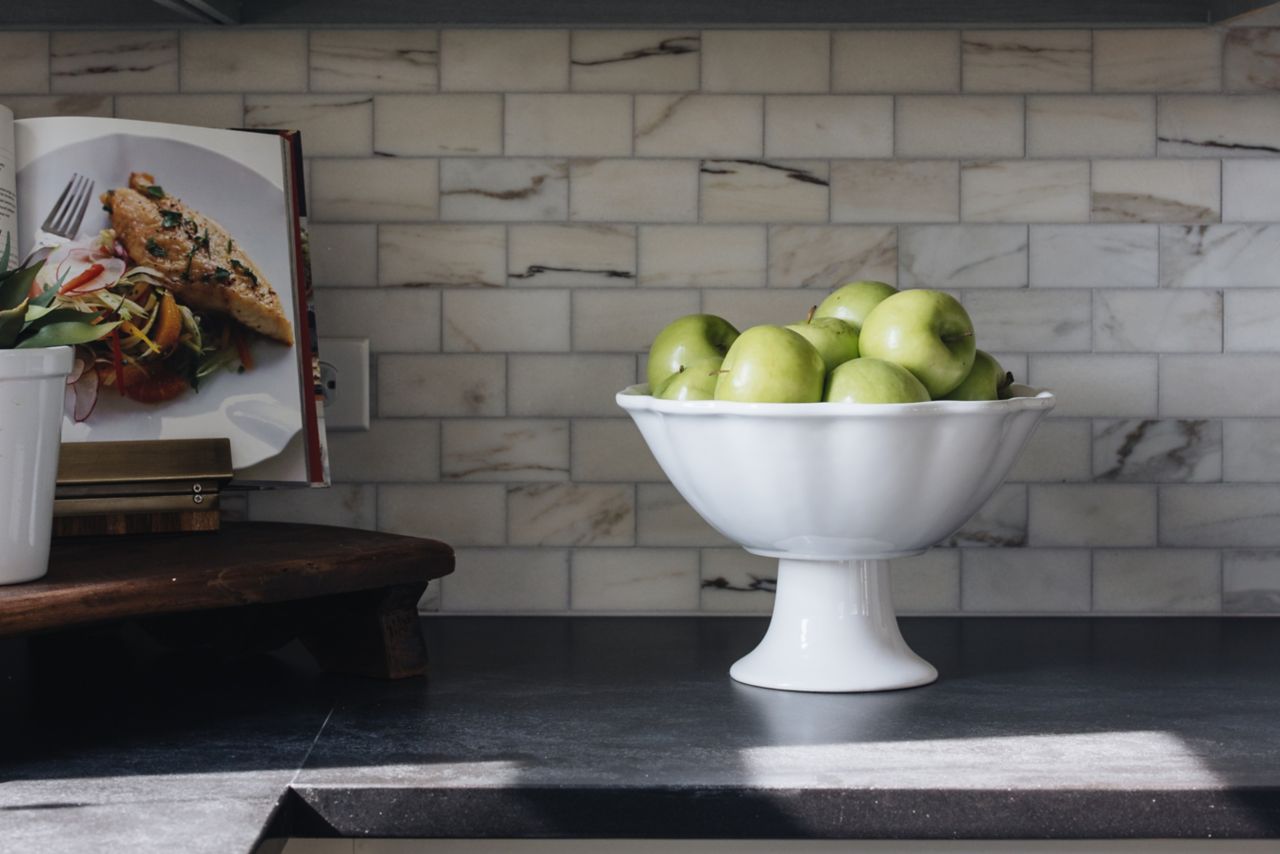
pixel 186 234
pixel 8 188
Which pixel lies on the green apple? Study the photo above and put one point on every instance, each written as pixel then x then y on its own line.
pixel 984 382
pixel 686 340
pixel 854 301
pixel 771 364
pixel 696 381
pixel 927 332
pixel 835 340
pixel 873 381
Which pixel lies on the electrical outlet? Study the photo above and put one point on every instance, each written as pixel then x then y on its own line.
pixel 344 376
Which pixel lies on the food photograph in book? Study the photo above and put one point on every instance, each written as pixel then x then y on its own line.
pixel 189 240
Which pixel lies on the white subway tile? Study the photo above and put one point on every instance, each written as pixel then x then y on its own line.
pixel 689 125
pixel 441 255
pixel 567 125
pixel 330 124
pixel 895 191
pixel 571 514
pixel 928 583
pixel 1157 321
pixel 1156 581
pixel 393 320
pixel 1251 582
pixel 343 255
pixel 1168 60
pixel 664 518
pixel 437 125
pixel 957 256
pixel 827 256
pixel 213 111
pixel 752 307
pixel 1249 61
pixel 564 385
pixel 348 505
pixel 461 514
pixel 39 106
pixel 1043 581
pixel 507 580
pixel 1093 256
pixel 1205 386
pixel 737 582
pixel 1026 60
pixel 507 189
pixel 375 190
pixel 1103 386
pixel 1156 191
pixel 1218 126
pixel 828 126
pixel 895 61
pixel 396 450
pixel 1091 126
pixel 1252 320
pixel 504 60
pixel 702 256
pixel 634 580
pixel 1092 515
pixel 504 449
pixel 1219 256
pixel 26 62
pixel 764 191
pixel 506 321
pixel 1057 451
pixel 1024 191
pixel 611 449
pixel 393 60
pixel 1000 522
pixel 1251 190
pixel 765 61
pixel 959 126
pixel 414 385
pixel 634 190
pixel 234 60
pixel 1251 450
pixel 626 320
pixel 1038 321
pixel 635 60
pixel 1149 451
pixel 1228 515
pixel 571 255
pixel 111 61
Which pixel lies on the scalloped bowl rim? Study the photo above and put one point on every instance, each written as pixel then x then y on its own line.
pixel 637 397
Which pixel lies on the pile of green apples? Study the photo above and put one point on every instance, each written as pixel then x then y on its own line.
pixel 867 342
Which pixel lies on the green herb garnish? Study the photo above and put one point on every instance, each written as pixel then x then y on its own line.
pixel 221 275
pixel 170 219
pixel 155 191
pixel 244 271
pixel 155 249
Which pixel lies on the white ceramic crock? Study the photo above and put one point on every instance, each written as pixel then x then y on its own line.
pixel 833 490
pixel 32 387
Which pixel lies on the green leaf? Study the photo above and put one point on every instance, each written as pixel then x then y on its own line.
pixel 11 321
pixel 58 334
pixel 45 298
pixel 39 317
pixel 15 286
pixel 4 257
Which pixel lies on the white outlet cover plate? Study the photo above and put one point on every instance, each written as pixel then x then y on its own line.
pixel 347 401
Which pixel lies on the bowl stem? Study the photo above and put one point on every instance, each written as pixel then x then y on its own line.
pixel 833 629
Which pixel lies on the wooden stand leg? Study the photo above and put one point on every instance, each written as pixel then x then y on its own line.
pixel 368 633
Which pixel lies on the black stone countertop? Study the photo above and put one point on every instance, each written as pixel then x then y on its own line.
pixel 630 727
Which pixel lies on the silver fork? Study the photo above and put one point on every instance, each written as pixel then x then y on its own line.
pixel 63 222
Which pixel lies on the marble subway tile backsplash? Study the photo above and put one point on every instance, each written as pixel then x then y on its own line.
pixel 510 215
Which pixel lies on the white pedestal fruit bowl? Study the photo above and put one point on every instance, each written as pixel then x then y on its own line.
pixel 834 491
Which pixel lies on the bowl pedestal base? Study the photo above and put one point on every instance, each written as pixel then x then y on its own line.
pixel 833 630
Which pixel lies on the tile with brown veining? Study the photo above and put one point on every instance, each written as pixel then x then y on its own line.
pixel 1091 126
pixel 441 256
pixel 615 320
pixel 113 61
pixel 737 582
pixel 1035 320
pixel 376 189
pixel 1218 126
pixel 1000 522
pixel 893 191
pixel 828 126
pixel 1110 514
pixel 1250 319
pixel 1252 59
pixel 504 60
pixel 664 518
pixel 570 384
pixel 1219 256
pixel 689 125
pixel 330 124
pixel 504 189
pixel 1024 191
pixel 953 256
pixel 1154 451
pixel 480 320
pixel 1186 60
pixel 634 190
pixel 610 450
pixel 1156 581
pixel 826 256
pixel 441 385
pixel 400 60
pixel 463 514
pixel 1093 256
pixel 571 514
pixel 702 256
pixel 764 190
pixel 26 62
pixel 1251 582
pixel 959 126
pixel 237 60
pixel 1026 60
pixel 1157 320
pixel 507 449
pixel 1220 515
pixel 571 255
pixel 437 125
pixel 350 505
pixel 567 125
pixel 1156 191
pixel 765 61
pixel 634 579
pixel 634 60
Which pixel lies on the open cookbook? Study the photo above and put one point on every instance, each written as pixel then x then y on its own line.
pixel 194 239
